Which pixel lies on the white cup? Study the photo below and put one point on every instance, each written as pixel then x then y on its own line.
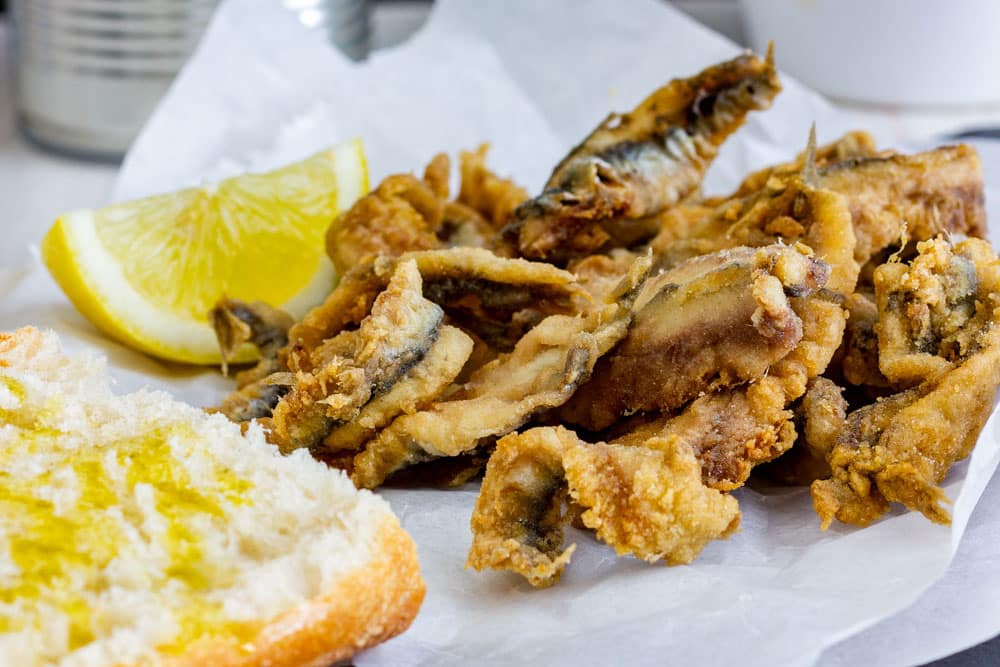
pixel 886 52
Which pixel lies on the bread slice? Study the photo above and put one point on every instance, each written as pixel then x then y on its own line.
pixel 138 530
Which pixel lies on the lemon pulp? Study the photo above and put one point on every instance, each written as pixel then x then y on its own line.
pixel 147 272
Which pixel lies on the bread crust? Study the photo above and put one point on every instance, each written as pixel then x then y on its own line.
pixel 366 607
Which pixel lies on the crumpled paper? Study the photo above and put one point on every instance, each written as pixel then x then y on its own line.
pixel 531 78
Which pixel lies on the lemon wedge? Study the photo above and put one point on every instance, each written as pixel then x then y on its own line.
pixel 146 272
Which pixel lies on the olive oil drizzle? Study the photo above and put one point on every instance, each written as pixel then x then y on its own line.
pixel 63 549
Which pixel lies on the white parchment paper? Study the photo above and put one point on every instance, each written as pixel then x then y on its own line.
pixel 532 78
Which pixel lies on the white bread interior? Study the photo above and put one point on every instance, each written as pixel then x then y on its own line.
pixel 139 530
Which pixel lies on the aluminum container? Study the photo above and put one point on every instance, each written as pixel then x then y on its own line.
pixel 87 73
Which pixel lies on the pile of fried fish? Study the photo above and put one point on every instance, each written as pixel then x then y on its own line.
pixel 620 352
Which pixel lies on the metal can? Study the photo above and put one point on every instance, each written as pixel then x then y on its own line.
pixel 89 72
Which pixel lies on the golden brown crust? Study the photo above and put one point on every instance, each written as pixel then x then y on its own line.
pixel 366 607
pixel 635 165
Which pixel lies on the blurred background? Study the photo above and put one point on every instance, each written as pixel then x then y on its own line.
pixel 85 74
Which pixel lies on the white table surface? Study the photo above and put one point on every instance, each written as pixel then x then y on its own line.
pixel 36 186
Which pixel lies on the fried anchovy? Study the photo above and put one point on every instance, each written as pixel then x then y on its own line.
pixel 542 372
pixel 938 327
pixel 901 447
pixel 474 287
pixel 855 145
pixel 931 312
pixel 637 164
pixel 357 365
pixel 647 500
pixel 888 197
pixel 237 322
pixel 919 196
pixel 714 322
pixel 521 509
pixel 256 400
pixel 820 417
pixel 414 391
